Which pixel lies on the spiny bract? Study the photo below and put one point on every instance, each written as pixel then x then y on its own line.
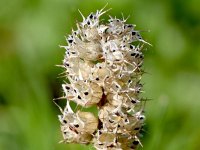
pixel 103 65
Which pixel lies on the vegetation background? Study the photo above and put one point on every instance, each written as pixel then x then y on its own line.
pixel 30 32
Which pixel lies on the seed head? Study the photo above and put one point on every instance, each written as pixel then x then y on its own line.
pixel 103 65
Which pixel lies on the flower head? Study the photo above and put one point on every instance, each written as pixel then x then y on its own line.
pixel 103 65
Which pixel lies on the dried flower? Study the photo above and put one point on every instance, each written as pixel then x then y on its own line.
pixel 103 65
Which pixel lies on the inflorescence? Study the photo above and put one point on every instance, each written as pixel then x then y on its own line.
pixel 103 66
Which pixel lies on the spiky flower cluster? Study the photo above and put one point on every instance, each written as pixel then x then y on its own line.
pixel 103 65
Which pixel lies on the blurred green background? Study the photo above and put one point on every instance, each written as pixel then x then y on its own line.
pixel 30 32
